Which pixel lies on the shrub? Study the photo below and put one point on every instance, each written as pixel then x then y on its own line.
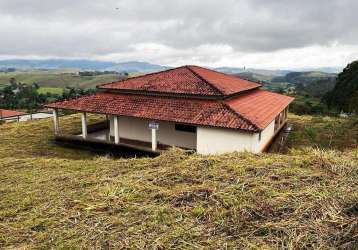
pixel 311 132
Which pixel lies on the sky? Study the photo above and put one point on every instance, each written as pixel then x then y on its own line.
pixel 268 34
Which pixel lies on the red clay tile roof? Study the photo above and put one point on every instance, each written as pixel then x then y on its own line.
pixel 226 84
pixel 189 80
pixel 260 106
pixel 4 113
pixel 182 110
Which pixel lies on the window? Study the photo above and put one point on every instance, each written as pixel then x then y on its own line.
pixel 260 136
pixel 185 128
pixel 277 122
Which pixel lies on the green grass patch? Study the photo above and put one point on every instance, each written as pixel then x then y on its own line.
pixel 52 90
pixel 57 79
pixel 323 132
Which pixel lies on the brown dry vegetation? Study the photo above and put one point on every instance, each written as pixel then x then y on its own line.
pixel 64 198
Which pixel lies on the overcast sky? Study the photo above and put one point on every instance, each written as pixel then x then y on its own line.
pixel 251 33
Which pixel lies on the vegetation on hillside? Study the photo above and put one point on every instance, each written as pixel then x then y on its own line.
pixel 53 197
pixel 307 87
pixel 58 79
pixel 254 77
pixel 29 90
pixel 325 132
pixel 31 97
pixel 305 78
pixel 344 96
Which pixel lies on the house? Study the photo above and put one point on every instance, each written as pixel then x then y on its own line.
pixel 189 107
pixel 10 115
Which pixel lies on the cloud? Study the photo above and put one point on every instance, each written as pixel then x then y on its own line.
pixel 183 31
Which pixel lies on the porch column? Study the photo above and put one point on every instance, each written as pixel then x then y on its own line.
pixel 56 122
pixel 84 125
pixel 154 140
pixel 116 129
pixel 108 134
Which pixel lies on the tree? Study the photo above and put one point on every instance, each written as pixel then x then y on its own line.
pixel 344 95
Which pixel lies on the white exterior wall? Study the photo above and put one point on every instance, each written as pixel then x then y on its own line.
pixel 207 140
pixel 137 129
pixel 266 136
pixel 217 140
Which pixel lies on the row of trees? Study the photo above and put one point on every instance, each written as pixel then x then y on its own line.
pixel 17 95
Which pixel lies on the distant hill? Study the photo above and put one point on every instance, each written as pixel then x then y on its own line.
pixel 58 79
pixel 256 77
pixel 56 64
pixel 318 88
pixel 320 69
pixel 265 72
pixel 129 67
pixel 133 66
pixel 305 77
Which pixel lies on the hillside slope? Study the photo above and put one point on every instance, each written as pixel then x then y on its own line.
pixel 305 77
pixel 65 198
pixel 57 79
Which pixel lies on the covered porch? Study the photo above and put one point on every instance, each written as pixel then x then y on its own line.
pixel 110 132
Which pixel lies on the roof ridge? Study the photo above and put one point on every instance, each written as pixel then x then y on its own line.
pixel 189 67
pixel 225 74
pixel 136 77
pixel 241 116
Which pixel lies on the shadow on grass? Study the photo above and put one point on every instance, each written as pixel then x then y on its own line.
pixel 104 149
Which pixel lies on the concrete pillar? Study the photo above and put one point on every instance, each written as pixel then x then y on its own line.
pixel 154 140
pixel 116 129
pixel 56 122
pixel 84 125
pixel 108 134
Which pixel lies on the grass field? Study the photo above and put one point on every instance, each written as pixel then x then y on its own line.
pixel 53 197
pixel 57 79
pixel 52 90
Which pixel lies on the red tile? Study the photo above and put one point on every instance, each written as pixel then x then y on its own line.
pixel 10 113
pixel 183 110
pixel 260 106
pixel 189 80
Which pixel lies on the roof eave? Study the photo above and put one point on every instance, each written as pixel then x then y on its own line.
pixel 148 118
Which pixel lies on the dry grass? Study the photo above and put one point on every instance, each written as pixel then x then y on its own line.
pixel 53 197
